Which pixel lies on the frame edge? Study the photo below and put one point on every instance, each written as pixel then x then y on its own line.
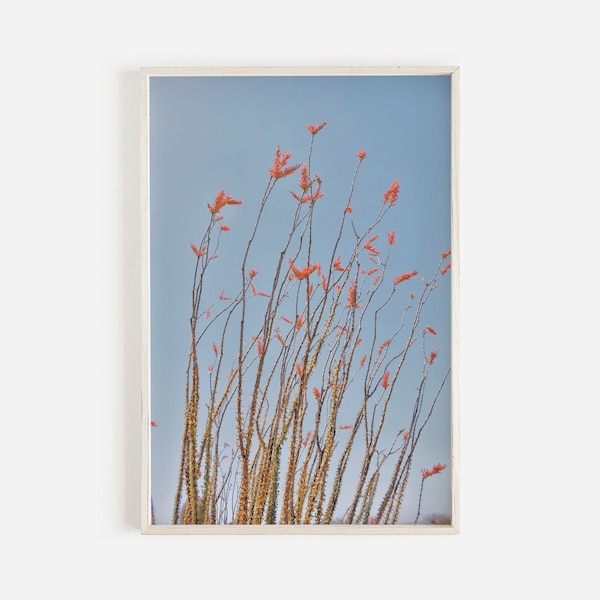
pixel 147 527
pixel 146 508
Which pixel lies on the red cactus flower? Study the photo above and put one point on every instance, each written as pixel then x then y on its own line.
pixel 305 181
pixel 352 296
pixel 386 343
pixel 280 167
pixel 391 195
pixel 384 380
pixel 337 264
pixel 404 277
pixel 303 273
pixel 198 251
pixel 221 200
pixel 314 129
pixel 305 184
pixel 433 471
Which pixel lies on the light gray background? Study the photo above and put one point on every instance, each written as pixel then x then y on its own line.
pixel 69 309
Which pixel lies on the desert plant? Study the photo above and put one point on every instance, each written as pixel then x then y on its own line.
pixel 300 365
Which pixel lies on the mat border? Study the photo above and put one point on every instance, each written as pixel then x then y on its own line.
pixel 147 528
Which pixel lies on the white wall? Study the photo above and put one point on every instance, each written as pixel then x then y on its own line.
pixel 69 309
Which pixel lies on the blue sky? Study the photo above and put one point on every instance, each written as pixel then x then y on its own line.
pixel 212 133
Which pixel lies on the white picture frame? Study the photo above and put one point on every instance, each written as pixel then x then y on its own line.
pixel 149 76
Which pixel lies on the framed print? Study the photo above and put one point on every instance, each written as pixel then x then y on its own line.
pixel 300 255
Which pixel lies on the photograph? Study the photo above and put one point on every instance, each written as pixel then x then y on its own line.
pixel 300 275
